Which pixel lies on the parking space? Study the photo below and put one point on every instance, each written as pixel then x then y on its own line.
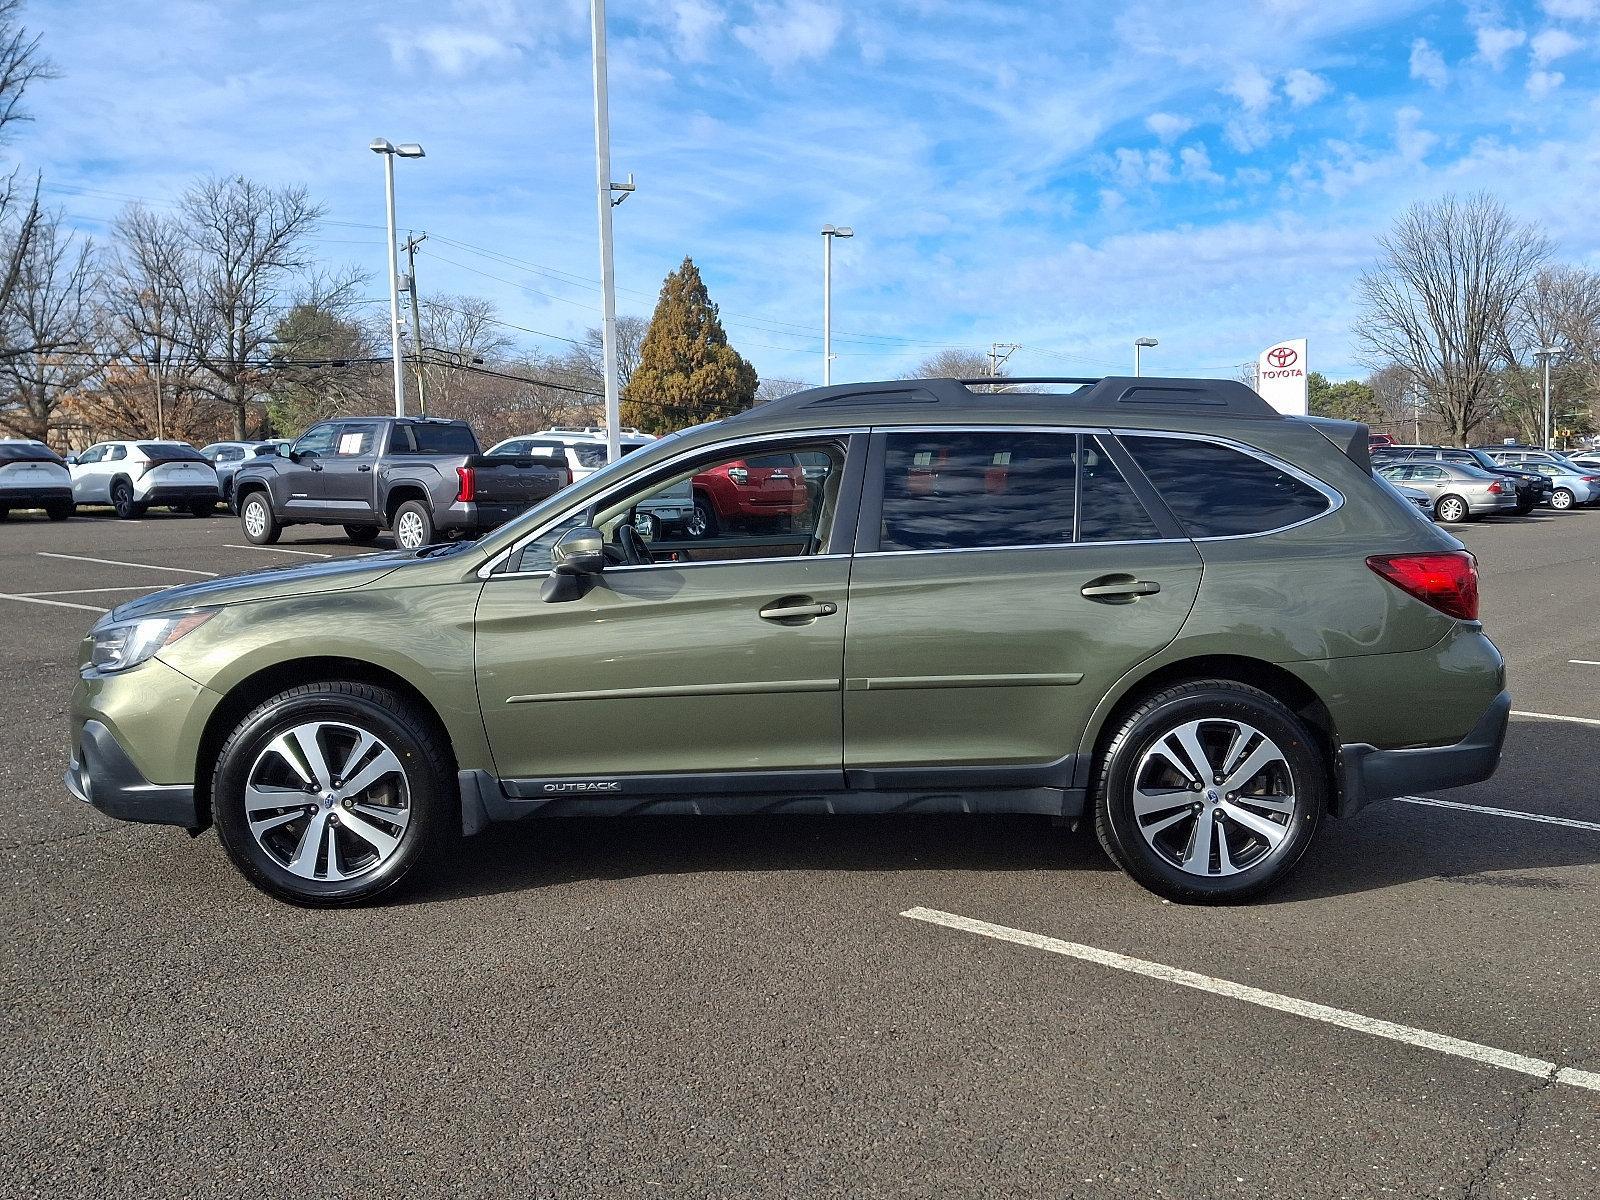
pixel 720 1007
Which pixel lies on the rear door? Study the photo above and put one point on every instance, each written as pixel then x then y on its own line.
pixel 1004 580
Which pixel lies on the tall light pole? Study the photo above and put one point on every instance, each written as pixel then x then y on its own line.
pixel 1545 354
pixel 1139 345
pixel 603 190
pixel 829 232
pixel 389 150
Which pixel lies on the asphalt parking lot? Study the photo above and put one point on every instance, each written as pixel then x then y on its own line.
pixel 736 1007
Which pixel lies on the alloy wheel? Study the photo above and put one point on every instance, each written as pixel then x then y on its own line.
pixel 1214 797
pixel 1451 510
pixel 255 518
pixel 325 822
pixel 1561 499
pixel 408 531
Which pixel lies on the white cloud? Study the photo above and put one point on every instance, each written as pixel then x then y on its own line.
pixel 1197 165
pixel 1411 140
pixel 1111 200
pixel 451 49
pixel 1248 133
pixel 1134 168
pixel 791 32
pixel 1168 126
pixel 1572 10
pixel 1427 64
pixel 1553 44
pixel 1250 88
pixel 1304 87
pixel 692 26
pixel 1542 83
pixel 1497 41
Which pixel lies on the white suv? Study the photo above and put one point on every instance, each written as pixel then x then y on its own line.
pixel 33 476
pixel 132 476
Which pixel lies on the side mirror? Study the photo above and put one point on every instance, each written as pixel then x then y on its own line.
pixel 71 460
pixel 580 551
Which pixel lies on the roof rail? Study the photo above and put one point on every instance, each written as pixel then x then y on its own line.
pixel 992 380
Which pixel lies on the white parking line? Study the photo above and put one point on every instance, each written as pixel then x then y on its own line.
pixel 1427 1040
pixel 117 562
pixel 132 587
pixel 1555 717
pixel 52 603
pixel 277 550
pixel 1583 662
pixel 1569 822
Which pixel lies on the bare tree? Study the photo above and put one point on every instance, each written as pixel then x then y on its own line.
pixel 775 389
pixel 250 247
pixel 1439 298
pixel 953 364
pixel 147 305
pixel 1559 308
pixel 21 65
pixel 588 359
pixel 457 330
pixel 54 308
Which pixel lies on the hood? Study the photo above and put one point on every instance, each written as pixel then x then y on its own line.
pixel 271 583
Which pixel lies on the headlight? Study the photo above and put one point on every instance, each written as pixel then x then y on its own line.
pixel 128 643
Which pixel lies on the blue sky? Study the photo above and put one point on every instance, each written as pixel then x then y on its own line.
pixel 1067 176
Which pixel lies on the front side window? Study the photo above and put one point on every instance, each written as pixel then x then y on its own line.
pixel 316 440
pixel 950 490
pixel 92 455
pixel 1217 491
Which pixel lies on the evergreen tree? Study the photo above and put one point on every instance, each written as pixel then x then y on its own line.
pixel 687 372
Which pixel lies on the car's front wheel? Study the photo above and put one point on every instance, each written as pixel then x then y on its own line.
pixel 331 793
pixel 1209 791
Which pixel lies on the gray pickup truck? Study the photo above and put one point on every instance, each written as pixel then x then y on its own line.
pixel 421 477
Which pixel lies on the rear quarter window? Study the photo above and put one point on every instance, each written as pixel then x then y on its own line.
pixel 1217 491
pixel 432 439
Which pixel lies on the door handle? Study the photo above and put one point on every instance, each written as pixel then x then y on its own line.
pixel 797 608
pixel 1119 589
pixel 366 468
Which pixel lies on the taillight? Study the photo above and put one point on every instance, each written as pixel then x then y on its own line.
pixel 467 487
pixel 1494 489
pixel 567 471
pixel 739 475
pixel 1591 478
pixel 1447 580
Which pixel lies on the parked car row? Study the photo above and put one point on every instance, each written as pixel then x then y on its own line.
pixel 1465 483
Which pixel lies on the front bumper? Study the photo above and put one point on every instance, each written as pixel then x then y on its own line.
pixel 102 774
pixel 1368 774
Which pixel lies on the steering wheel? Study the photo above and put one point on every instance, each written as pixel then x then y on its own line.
pixel 634 551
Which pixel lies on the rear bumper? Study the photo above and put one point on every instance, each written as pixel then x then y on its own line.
pixel 33 497
pixel 1368 774
pixel 185 493
pixel 478 517
pixel 102 774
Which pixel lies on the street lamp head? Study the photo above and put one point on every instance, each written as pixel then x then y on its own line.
pixel 838 231
pixel 1146 342
pixel 1549 351
pixel 409 150
pixel 381 146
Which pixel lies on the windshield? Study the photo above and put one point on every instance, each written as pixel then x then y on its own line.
pixel 166 452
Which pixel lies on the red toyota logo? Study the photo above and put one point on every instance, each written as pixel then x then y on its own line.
pixel 1281 357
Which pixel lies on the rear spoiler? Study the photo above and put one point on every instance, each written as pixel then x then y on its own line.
pixel 1352 437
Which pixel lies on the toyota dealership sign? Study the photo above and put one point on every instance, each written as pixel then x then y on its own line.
pixel 1281 376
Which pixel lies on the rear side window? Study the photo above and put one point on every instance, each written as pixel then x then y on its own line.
pixel 1217 491
pixel 1108 511
pixel 589 454
pixel 432 439
pixel 161 452
pixel 948 490
pixel 12 452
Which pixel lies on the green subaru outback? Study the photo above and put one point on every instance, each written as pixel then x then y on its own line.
pixel 1155 603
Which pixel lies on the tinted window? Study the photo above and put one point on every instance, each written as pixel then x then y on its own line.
pixel 161 452
pixel 1219 492
pixel 11 452
pixel 432 439
pixel 1108 510
pixel 356 440
pixel 316 440
pixel 589 454
pixel 117 453
pixel 945 491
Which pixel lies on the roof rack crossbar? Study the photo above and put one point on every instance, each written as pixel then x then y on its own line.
pixel 1007 379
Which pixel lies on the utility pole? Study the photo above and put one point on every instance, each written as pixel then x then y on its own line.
pixel 603 190
pixel 412 242
pixel 999 354
pixel 155 372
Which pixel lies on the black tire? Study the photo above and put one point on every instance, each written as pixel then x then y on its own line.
pixel 426 762
pixel 4 512
pixel 201 508
pixel 1561 500
pixel 413 526
pixel 1451 504
pixel 361 534
pixel 1524 507
pixel 704 523
pixel 1219 700
pixel 61 512
pixel 128 509
pixel 256 511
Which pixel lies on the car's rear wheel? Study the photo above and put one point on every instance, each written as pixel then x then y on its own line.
pixel 331 793
pixel 122 500
pixel 201 508
pixel 1561 499
pixel 260 527
pixel 413 525
pixel 1451 509
pixel 61 512
pixel 4 512
pixel 1210 791
pixel 702 522
pixel 361 534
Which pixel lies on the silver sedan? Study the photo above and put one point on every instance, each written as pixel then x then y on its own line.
pixel 1457 492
